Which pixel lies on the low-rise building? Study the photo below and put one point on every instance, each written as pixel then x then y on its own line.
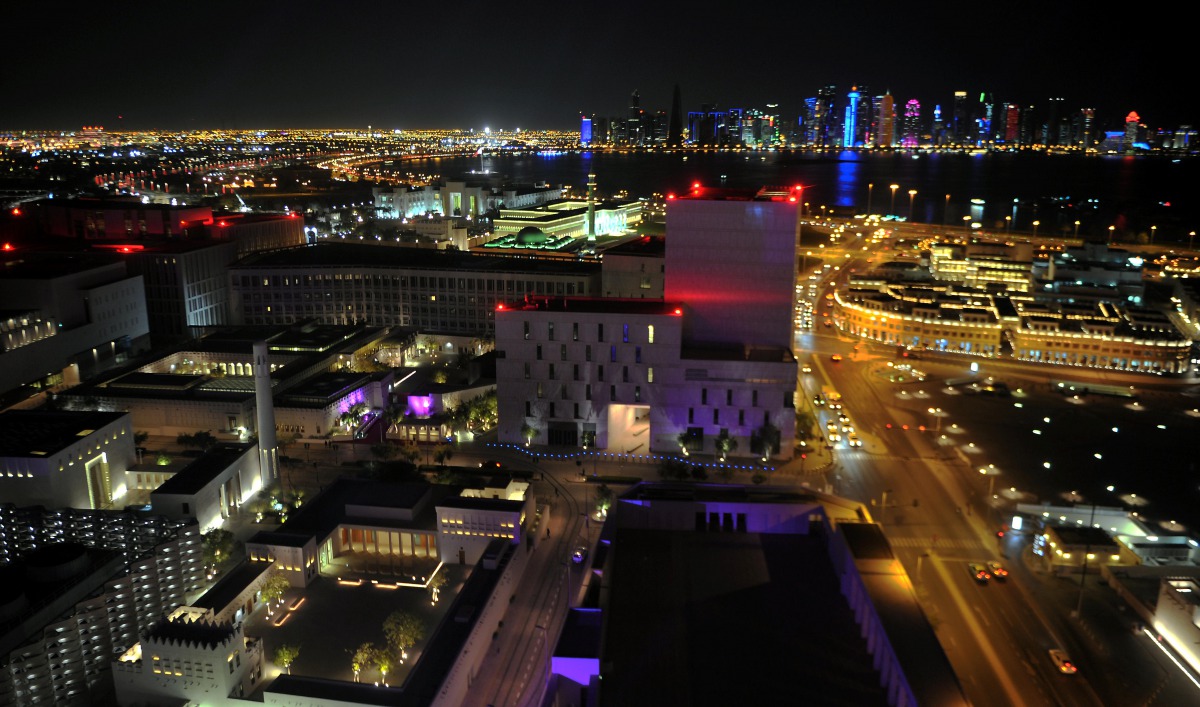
pixel 64 458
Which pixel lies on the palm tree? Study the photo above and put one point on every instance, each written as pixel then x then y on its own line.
pixel 528 431
pixel 725 444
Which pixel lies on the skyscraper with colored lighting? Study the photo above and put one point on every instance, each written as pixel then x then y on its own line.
pixel 912 123
pixel 884 133
pixel 959 118
pixel 585 130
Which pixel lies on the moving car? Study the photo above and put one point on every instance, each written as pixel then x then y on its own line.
pixel 1062 661
pixel 997 571
pixel 853 440
pixel 979 573
pixel 579 555
pixel 835 358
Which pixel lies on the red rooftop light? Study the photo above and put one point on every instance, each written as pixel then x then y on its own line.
pixel 499 307
pixel 695 185
pixel 16 211
pixel 670 196
pixel 678 312
pixel 8 246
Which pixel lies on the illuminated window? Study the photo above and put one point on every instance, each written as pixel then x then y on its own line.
pixel 650 334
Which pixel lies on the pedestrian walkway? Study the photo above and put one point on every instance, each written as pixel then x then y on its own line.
pixel 925 541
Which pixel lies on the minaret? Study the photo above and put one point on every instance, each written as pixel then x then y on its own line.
pixel 591 215
pixel 268 449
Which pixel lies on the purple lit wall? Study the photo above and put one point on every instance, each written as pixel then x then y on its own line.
pixel 420 405
pixel 351 400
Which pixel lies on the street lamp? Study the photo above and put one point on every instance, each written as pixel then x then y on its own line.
pixel 911 194
pixel 1008 224
pixel 893 187
pixel 870 189
pixel 1191 237
pixel 1076 229
pixel 967 222
pixel 1152 230
pixel 946 211
pixel 1110 234
pixel 1087 550
pixel 991 472
pixel 1035 225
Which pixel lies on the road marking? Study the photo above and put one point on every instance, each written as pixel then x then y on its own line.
pixel 980 635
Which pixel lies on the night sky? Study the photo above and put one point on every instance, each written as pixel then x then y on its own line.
pixel 391 64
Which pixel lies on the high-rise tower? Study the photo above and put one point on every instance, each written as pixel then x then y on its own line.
pixel 268 448
pixel 912 123
pixel 850 125
pixel 885 121
pixel 675 130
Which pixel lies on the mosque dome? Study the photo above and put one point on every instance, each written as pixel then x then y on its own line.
pixel 532 235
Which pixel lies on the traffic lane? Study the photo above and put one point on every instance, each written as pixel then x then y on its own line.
pixel 1030 640
pixel 984 676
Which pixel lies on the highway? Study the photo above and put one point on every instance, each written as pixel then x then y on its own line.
pixel 995 637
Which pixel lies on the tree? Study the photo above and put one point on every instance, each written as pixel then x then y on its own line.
pixel 765 440
pixel 604 499
pixel 285 655
pixel 410 452
pixel 438 377
pixel 383 661
pixel 672 469
pixel 443 453
pixel 528 431
pixel 384 451
pixel 403 630
pixel 140 437
pixel 361 657
pixel 725 444
pixel 436 582
pixel 273 588
pixel 219 545
pixel 200 440
pixel 685 440
pixel 805 421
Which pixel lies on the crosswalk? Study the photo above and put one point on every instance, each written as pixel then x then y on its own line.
pixel 936 542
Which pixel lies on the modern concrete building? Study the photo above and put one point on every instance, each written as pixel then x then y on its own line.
pixel 209 384
pixel 635 269
pixel 182 661
pixel 66 316
pixel 737 565
pixel 433 291
pixel 71 459
pixel 412 527
pixel 711 361
pixel 459 198
pixel 187 284
pixel 731 259
pixel 67 611
pixel 211 488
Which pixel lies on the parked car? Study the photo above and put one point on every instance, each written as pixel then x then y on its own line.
pixel 579 555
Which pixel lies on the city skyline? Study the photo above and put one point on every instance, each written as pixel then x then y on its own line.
pixel 256 68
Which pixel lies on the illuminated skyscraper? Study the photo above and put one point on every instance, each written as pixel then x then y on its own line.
pixel 675 130
pixel 884 133
pixel 939 127
pixel 983 119
pixel 585 130
pixel 1087 124
pixel 912 123
pixel 1131 131
pixel 958 125
pixel 850 125
pixel 1050 129
pixel 1012 123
